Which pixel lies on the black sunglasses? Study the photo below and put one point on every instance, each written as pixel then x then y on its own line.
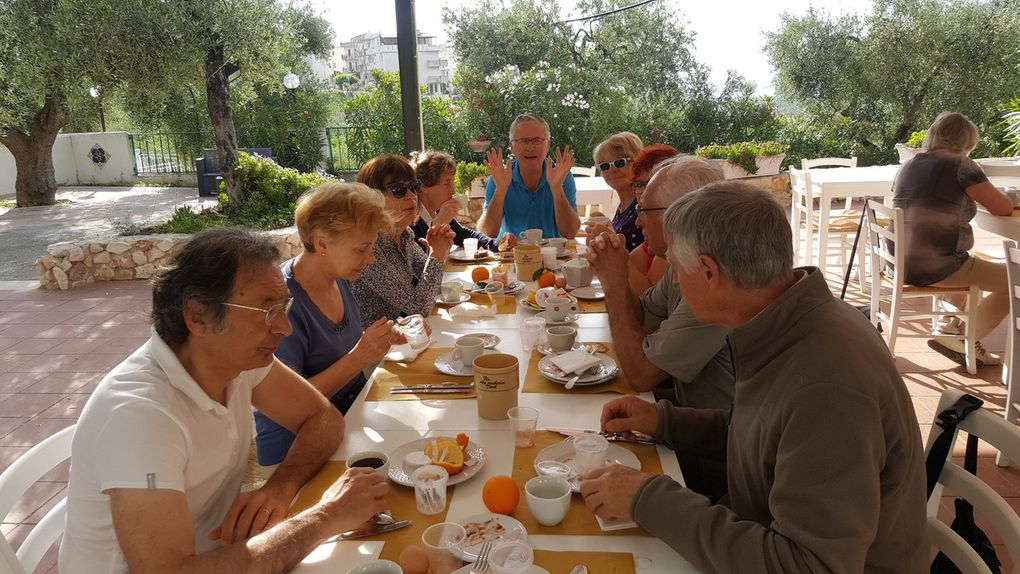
pixel 400 190
pixel 617 163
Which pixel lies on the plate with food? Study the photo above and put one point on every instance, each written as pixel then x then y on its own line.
pixel 461 457
pixel 460 255
pixel 563 452
pixel 488 527
pixel 513 288
pixel 604 371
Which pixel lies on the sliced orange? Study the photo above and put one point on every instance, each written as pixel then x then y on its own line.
pixel 463 440
pixel 447 454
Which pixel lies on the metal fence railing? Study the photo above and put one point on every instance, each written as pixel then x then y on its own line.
pixel 351 146
pixel 171 152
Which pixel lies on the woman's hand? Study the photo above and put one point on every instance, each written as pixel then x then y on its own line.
pixel 438 240
pixel 447 211
pixel 596 229
pixel 501 171
pixel 557 174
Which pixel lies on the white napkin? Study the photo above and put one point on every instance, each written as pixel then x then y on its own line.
pixel 472 311
pixel 575 361
pixel 404 353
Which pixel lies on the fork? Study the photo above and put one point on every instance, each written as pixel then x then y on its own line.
pixel 482 563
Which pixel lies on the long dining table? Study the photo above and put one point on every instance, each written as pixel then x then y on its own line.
pixel 377 423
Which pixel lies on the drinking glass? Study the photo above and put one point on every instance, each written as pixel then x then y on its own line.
pixel 413 328
pixel 523 422
pixel 441 542
pixel 531 333
pixel 470 247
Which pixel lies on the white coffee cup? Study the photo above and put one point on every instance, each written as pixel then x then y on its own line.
pixel 548 499
pixel 559 308
pixel 451 290
pixel 561 338
pixel 466 349
pixel 377 567
pixel 531 236
pixel 369 459
pixel 560 243
pixel 578 273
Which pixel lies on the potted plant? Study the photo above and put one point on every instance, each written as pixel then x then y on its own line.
pixel 481 144
pixel 912 147
pixel 470 179
pixel 745 159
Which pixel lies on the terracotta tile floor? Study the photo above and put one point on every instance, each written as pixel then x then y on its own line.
pixel 54 348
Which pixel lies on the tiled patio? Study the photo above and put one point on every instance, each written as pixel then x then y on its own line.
pixel 54 348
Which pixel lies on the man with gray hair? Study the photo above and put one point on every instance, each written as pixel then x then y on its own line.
pixel 824 461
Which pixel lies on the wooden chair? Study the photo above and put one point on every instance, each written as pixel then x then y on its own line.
pixel 1009 375
pixel 885 256
pixel 832 162
pixel 804 222
pixel 14 482
pixel 580 170
pixel 995 512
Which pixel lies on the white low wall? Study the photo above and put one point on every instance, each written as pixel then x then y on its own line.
pixel 73 164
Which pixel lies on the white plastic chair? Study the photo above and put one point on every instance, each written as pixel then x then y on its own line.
pixel 804 222
pixel 885 256
pixel 15 481
pixel 988 504
pixel 1009 375
pixel 832 162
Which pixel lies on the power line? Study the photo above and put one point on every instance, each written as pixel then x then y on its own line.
pixel 609 13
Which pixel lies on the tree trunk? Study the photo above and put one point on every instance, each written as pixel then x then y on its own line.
pixel 221 114
pixel 36 182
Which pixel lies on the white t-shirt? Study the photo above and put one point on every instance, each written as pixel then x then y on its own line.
pixel 149 420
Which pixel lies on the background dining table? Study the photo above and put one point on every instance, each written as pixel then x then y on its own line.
pixel 386 425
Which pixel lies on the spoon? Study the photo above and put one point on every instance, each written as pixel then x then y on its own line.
pixel 570 383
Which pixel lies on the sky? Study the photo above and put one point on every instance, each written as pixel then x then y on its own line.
pixel 729 33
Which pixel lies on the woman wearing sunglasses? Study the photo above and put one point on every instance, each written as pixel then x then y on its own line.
pixel 338 224
pixel 404 279
pixel 436 171
pixel 614 157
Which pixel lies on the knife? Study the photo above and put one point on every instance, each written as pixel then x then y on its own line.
pixel 609 436
pixel 430 391
pixel 437 387
pixel 372 530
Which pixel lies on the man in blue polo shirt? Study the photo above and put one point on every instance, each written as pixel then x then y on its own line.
pixel 530 192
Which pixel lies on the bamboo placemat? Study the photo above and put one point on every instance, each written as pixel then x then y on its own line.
pixel 400 501
pixel 507 307
pixel 534 382
pixel 579 520
pixel 558 562
pixel 421 371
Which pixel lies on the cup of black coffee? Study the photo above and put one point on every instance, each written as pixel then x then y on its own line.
pixel 370 459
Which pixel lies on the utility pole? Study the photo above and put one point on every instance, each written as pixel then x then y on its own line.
pixel 410 93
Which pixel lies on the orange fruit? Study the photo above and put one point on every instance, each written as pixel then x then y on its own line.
pixel 447 454
pixel 479 274
pixel 500 494
pixel 547 279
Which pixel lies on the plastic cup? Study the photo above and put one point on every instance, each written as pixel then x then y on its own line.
pixel 413 328
pixel 470 247
pixel 441 542
pixel 494 289
pixel 590 452
pixel 531 333
pixel 523 422
pixel 511 557
pixel 430 488
pixel 549 257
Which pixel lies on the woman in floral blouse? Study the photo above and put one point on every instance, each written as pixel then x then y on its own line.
pixel 404 279
pixel 613 158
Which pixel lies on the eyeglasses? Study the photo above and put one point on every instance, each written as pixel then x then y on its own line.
pixel 641 210
pixel 639 184
pixel 529 141
pixel 272 314
pixel 400 190
pixel 617 163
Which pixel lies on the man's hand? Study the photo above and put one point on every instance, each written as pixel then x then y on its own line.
pixel 501 171
pixel 253 513
pixel 557 174
pixel 626 414
pixel 375 342
pixel 608 256
pixel 447 211
pixel 355 497
pixel 439 240
pixel 609 491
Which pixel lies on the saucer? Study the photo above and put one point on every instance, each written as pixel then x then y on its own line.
pixel 566 320
pixel 545 348
pixel 448 365
pixel 589 293
pixel 463 297
pixel 490 340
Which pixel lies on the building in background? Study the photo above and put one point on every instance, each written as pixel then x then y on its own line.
pixel 365 52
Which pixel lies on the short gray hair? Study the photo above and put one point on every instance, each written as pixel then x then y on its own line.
pixel 741 227
pixel 952 131
pixel 675 176
pixel 528 117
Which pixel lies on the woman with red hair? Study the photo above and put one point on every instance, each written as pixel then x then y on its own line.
pixel 646 269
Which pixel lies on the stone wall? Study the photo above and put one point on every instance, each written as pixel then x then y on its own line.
pixel 69 265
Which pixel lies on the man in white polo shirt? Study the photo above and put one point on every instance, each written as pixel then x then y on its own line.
pixel 162 444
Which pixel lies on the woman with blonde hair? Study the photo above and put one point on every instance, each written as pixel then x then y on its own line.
pixel 614 159
pixel 939 190
pixel 338 224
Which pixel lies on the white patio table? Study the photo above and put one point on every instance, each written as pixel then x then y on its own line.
pixel 592 190
pixel 386 425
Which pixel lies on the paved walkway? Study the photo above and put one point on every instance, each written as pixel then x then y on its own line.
pixel 56 346
pixel 94 212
